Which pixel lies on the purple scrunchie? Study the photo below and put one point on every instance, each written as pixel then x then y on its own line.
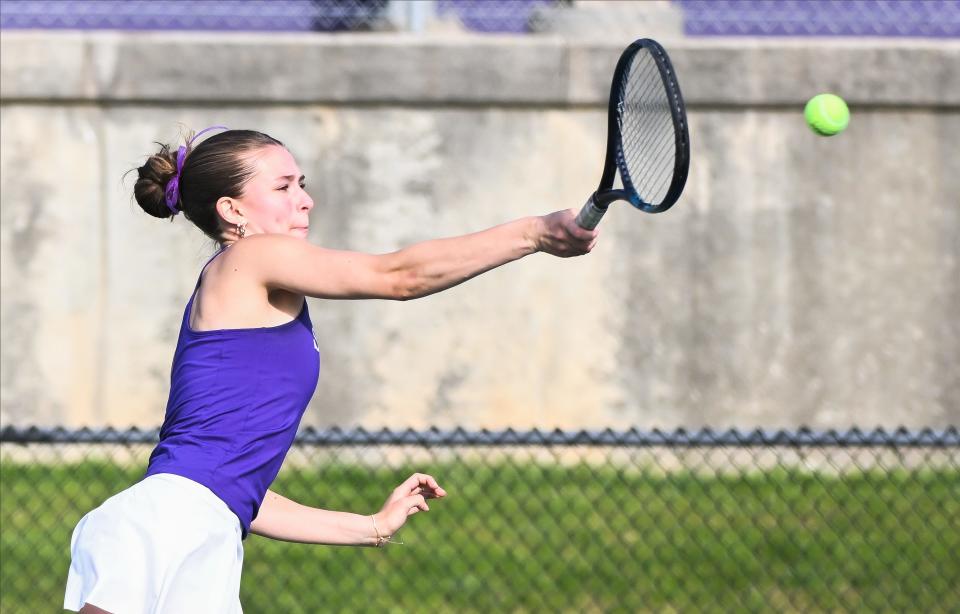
pixel 172 191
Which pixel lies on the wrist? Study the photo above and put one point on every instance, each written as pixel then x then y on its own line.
pixel 379 537
pixel 533 231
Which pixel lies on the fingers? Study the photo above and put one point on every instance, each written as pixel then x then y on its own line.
pixel 415 503
pixel 563 237
pixel 581 241
pixel 429 493
pixel 421 483
pixel 396 511
pixel 574 231
pixel 408 506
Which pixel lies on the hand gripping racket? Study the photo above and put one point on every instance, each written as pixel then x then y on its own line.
pixel 647 138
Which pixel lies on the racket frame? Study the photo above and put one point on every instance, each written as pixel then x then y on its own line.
pixel 598 202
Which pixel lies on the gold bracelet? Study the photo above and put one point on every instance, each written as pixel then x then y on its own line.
pixel 380 540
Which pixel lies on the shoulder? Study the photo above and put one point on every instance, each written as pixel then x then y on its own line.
pixel 265 258
pixel 262 243
pixel 265 250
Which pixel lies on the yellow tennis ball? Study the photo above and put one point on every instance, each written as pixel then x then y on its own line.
pixel 827 114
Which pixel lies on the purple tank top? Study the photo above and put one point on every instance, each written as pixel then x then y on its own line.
pixel 236 399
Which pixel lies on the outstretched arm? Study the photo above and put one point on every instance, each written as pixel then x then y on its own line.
pixel 286 520
pixel 287 263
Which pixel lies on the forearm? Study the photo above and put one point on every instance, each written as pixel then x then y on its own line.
pixel 432 266
pixel 282 519
pixel 280 262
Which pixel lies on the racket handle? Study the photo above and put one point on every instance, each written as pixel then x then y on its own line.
pixel 590 215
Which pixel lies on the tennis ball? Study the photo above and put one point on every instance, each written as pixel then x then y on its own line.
pixel 827 114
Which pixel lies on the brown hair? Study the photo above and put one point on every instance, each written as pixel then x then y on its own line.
pixel 217 167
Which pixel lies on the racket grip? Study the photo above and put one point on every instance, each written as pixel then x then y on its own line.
pixel 590 215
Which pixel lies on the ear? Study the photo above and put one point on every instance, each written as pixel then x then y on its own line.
pixel 229 210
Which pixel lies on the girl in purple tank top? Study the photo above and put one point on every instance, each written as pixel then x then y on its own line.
pixel 244 370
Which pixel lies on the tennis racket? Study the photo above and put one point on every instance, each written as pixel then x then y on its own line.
pixel 647 140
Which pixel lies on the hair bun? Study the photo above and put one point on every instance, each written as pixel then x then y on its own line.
pixel 152 179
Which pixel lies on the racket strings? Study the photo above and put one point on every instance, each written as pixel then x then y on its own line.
pixel 647 135
pixel 656 176
pixel 647 155
pixel 650 104
pixel 635 104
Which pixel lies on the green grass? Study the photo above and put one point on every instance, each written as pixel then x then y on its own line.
pixel 535 538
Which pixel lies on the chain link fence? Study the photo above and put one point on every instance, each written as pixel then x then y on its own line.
pixel 914 18
pixel 537 521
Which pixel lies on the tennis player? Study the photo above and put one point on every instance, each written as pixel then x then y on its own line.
pixel 244 370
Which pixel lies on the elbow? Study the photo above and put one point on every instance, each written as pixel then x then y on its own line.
pixel 394 278
pixel 403 295
pixel 402 279
pixel 406 287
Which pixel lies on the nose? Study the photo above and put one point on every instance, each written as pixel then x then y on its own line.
pixel 306 203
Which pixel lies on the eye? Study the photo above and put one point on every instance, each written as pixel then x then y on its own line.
pixel 283 188
pixel 303 184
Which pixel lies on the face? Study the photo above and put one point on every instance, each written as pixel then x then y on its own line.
pixel 274 200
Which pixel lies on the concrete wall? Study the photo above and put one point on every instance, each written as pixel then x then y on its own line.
pixel 800 280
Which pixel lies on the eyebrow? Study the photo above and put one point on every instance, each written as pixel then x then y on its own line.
pixel 292 177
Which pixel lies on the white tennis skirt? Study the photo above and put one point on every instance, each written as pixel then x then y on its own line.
pixel 166 544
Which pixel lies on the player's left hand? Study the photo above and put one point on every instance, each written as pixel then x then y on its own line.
pixel 406 500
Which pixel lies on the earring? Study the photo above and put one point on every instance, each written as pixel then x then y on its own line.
pixel 242 229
